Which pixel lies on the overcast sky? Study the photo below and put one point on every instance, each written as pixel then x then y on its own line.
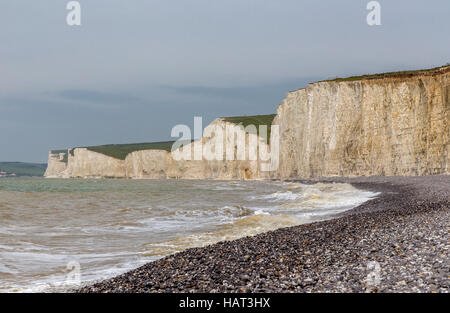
pixel 135 68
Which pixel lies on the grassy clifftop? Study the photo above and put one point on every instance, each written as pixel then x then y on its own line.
pixel 120 151
pixel 256 120
pixel 66 156
pixel 251 120
pixel 400 74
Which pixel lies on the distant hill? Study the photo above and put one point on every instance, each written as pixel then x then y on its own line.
pixel 22 169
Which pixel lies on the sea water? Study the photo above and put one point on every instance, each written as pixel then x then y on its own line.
pixel 108 227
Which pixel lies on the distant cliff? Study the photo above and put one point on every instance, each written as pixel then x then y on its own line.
pixel 385 124
pixel 57 164
pixel 156 163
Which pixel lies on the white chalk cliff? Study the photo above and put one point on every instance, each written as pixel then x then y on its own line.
pixel 381 126
pixel 156 164
pixel 395 125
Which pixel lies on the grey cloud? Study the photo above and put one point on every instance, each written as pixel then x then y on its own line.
pixel 95 96
pixel 244 93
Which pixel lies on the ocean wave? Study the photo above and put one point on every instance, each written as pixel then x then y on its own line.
pixel 277 196
pixel 46 229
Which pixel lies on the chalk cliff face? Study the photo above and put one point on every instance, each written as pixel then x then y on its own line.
pixel 231 166
pixel 388 126
pixel 151 164
pixel 157 164
pixel 89 164
pixel 56 165
pixel 379 126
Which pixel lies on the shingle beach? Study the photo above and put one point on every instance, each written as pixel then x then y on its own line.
pixel 397 242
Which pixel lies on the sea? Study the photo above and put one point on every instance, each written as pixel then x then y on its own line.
pixel 59 234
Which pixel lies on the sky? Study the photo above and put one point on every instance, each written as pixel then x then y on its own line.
pixel 134 69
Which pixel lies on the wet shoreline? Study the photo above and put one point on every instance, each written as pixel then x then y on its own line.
pixel 397 242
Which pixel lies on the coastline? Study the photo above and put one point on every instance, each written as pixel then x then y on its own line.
pixel 397 242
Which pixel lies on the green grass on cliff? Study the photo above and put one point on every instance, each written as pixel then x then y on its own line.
pixel 66 156
pixel 120 151
pixel 400 74
pixel 23 169
pixel 256 120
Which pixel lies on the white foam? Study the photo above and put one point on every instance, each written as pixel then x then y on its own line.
pixel 277 196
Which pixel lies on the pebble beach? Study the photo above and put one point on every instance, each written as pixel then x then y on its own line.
pixel 397 242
